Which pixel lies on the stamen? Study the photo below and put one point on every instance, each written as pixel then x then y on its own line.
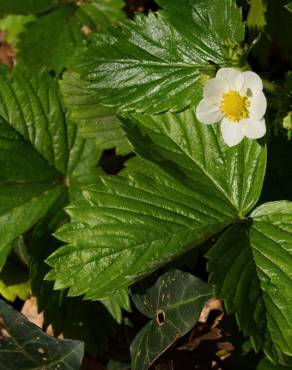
pixel 235 106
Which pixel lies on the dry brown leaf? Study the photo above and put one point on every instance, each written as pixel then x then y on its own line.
pixel 7 53
pixel 30 311
pixel 213 304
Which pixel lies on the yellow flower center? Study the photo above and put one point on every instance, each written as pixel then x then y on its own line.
pixel 234 106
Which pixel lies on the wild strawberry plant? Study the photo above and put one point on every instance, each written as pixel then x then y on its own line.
pixel 145 171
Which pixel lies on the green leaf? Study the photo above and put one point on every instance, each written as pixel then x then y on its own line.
pixel 120 229
pixel 174 305
pixel 13 26
pixel 29 6
pixel 51 39
pixel 222 20
pixel 199 187
pixel 102 13
pixel 24 346
pixel 196 155
pixel 116 303
pixel 26 191
pixel 155 63
pixel 94 120
pixel 71 317
pixel 289 6
pixel 265 364
pixel 14 281
pixel 251 270
pixel 40 153
pixel 257 14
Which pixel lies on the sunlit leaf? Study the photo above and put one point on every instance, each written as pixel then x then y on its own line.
pixel 250 268
pixel 155 62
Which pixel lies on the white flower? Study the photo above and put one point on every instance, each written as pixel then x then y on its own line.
pixel 237 100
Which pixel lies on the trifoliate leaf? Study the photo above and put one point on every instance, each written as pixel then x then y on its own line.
pixel 94 120
pixel 40 153
pixel 198 187
pixel 25 346
pixel 251 270
pixel 174 305
pixel 155 62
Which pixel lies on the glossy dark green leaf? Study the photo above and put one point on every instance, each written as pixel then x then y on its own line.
pixel 128 226
pixel 40 153
pixel 155 62
pixel 174 305
pixel 251 270
pixel 196 155
pixel 94 120
pixel 25 346
pixel 214 23
pixel 199 187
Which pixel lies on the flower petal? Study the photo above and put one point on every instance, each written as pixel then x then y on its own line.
pixel 208 111
pixel 232 76
pixel 258 106
pixel 252 81
pixel 253 129
pixel 231 132
pixel 215 87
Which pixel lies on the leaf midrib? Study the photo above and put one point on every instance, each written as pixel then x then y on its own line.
pixel 138 246
pixel 185 302
pixel 212 180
